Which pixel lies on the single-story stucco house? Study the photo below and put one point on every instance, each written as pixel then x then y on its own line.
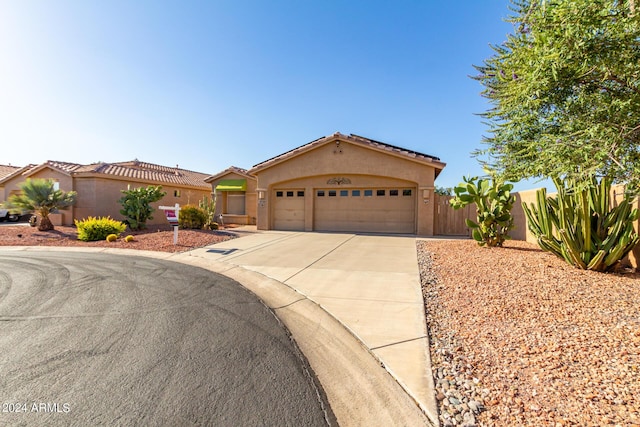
pixel 99 186
pixel 5 171
pixel 335 183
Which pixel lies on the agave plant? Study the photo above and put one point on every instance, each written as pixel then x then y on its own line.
pixel 580 226
pixel 493 201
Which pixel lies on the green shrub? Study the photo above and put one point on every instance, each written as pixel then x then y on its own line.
pixel 112 238
pixel 136 205
pixel 93 229
pixel 191 217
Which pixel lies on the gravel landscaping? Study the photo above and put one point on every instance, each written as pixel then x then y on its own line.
pixel 518 337
pixel 155 238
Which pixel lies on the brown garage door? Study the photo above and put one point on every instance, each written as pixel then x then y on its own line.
pixel 288 211
pixel 378 210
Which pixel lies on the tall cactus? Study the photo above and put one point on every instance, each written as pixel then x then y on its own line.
pixel 209 208
pixel 579 225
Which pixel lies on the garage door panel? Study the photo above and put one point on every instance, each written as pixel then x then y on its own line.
pixel 382 214
pixel 288 210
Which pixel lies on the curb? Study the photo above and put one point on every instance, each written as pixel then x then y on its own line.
pixel 359 389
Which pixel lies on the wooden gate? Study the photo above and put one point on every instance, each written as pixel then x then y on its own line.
pixel 450 222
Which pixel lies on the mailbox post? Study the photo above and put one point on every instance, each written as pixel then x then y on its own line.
pixel 172 213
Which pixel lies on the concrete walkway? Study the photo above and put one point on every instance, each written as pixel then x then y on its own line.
pixel 369 283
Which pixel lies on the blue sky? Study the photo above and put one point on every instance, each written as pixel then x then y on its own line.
pixel 210 84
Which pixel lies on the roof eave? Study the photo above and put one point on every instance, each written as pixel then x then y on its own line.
pixel 93 174
pixel 232 169
pixel 354 139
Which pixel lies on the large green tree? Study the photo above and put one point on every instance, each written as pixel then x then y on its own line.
pixel 41 196
pixel 565 91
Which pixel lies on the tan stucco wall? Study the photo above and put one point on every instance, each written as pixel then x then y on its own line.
pixel 364 166
pixel 99 197
pixel 520 230
pixel 251 198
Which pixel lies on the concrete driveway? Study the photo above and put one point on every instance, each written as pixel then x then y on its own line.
pixel 369 283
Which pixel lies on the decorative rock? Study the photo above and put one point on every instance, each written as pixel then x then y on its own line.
pixel 475 406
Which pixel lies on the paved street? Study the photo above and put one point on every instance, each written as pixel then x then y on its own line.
pixel 99 339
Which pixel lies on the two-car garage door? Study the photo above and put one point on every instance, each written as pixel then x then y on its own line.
pixel 379 210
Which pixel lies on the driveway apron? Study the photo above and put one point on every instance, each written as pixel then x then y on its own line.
pixel 369 283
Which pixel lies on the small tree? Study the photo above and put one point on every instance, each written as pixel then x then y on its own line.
pixel 136 205
pixel 444 191
pixel 493 201
pixel 40 196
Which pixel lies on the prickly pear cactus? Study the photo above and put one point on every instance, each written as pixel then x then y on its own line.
pixel 493 201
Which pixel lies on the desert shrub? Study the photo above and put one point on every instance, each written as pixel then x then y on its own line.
pixel 136 205
pixel 93 229
pixel 112 238
pixel 191 217
pixel 129 238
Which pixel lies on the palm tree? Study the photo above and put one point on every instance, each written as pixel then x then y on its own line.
pixel 40 196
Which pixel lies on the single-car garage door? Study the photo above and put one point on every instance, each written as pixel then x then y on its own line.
pixel 288 210
pixel 379 210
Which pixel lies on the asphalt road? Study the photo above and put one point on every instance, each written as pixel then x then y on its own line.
pixel 97 339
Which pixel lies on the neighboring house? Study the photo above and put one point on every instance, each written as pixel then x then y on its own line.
pixel 99 186
pixel 336 183
pixel 5 170
pixel 236 197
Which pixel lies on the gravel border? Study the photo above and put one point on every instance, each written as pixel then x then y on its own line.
pixel 518 337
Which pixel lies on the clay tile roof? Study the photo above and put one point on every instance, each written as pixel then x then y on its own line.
pixel 63 166
pixel 134 169
pixel 6 170
pixel 151 172
pixel 356 139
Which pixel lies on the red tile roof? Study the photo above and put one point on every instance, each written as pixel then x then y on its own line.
pixel 134 169
pixel 6 170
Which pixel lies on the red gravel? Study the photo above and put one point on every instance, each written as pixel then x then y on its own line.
pixel 152 239
pixel 550 344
